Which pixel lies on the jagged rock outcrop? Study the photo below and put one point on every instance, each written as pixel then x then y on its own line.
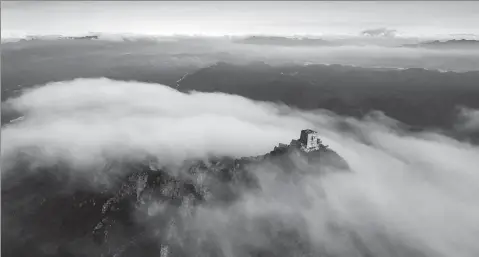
pixel 308 147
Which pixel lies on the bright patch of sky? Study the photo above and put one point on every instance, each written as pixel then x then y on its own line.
pixel 409 18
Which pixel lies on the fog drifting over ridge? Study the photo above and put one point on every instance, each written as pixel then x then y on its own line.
pixel 406 190
pixel 123 115
pixel 469 120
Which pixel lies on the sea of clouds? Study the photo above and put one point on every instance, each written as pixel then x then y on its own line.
pixel 408 194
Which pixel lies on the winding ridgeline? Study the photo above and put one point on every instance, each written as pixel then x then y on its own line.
pixel 48 213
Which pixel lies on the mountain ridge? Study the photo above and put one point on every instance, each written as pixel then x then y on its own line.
pixel 63 210
pixel 447 44
pixel 346 90
pixel 286 41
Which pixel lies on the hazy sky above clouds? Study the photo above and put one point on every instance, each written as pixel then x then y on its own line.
pixel 246 17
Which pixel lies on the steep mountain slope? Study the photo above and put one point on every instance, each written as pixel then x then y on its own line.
pixel 51 211
pixel 432 96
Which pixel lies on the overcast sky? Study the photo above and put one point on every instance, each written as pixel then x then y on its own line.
pixel 250 17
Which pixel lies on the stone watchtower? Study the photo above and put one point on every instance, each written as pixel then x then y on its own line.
pixel 309 140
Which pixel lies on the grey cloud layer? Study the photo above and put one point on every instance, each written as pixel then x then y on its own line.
pixel 380 32
pixel 413 191
pixel 89 117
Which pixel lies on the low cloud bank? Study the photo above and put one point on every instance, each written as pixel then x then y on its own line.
pixel 468 120
pixel 409 194
pixel 380 32
pixel 86 118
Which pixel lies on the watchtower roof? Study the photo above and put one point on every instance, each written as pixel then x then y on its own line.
pixel 308 131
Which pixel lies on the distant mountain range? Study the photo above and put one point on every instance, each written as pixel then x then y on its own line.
pixel 273 40
pixel 414 96
pixel 50 37
pixel 285 41
pixel 91 36
pixel 448 44
pixel 306 41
